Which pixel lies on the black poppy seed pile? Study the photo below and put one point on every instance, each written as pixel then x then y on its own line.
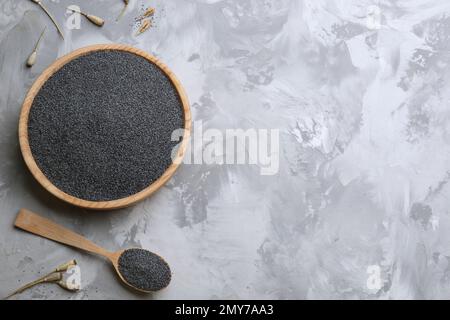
pixel 100 128
pixel 144 269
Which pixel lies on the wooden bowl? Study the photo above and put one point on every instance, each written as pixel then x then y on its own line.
pixel 99 205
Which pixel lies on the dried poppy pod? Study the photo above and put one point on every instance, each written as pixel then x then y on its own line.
pixel 126 2
pixel 39 3
pixel 148 13
pixel 146 24
pixel 66 266
pixel 32 58
pixel 94 19
pixel 56 276
pixel 52 277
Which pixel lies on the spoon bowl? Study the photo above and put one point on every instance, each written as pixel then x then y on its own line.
pixel 138 268
pixel 141 269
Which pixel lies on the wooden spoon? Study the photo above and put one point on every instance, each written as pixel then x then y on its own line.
pixel 138 268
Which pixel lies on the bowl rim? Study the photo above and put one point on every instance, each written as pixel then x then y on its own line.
pixel 110 204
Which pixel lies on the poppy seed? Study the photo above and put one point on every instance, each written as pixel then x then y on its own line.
pixel 100 128
pixel 144 270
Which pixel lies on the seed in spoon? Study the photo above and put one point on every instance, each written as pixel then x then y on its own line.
pixel 144 270
pixel 139 268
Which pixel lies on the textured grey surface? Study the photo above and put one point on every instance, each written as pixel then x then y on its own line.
pixel 101 127
pixel 365 141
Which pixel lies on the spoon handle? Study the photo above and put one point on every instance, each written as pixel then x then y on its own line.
pixel 43 227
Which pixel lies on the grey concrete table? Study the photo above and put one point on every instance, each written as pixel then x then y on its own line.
pixel 359 207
